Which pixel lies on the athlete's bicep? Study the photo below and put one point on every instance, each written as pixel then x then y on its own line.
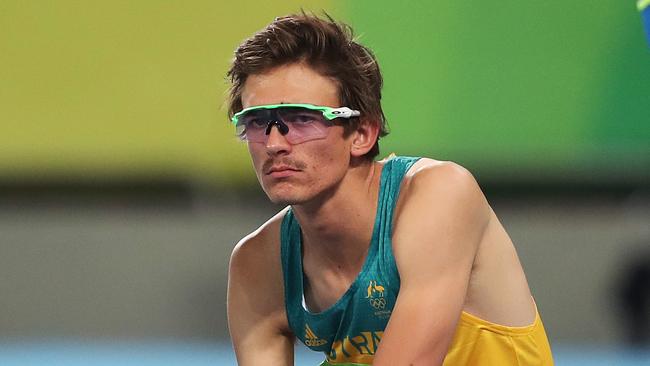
pixel 256 316
pixel 436 235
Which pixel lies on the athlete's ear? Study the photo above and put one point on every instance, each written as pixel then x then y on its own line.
pixel 364 137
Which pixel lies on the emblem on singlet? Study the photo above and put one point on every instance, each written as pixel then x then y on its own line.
pixel 311 339
pixel 377 299
pixel 376 295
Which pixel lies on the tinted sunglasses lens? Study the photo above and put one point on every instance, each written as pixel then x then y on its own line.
pixel 304 124
pixel 252 125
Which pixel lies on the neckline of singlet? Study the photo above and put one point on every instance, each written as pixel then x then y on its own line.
pixel 370 256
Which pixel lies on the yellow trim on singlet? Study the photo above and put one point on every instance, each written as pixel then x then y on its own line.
pixel 480 342
pixel 498 328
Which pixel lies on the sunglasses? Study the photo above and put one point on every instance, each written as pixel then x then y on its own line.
pixel 296 122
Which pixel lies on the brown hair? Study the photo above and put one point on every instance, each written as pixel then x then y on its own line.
pixel 324 44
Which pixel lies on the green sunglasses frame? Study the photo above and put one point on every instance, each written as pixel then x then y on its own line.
pixel 328 112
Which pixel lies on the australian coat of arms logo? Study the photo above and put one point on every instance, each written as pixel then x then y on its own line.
pixel 376 295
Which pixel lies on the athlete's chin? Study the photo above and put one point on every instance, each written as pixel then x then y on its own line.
pixel 285 195
pixel 284 201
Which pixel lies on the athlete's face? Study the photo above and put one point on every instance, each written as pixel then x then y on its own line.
pixel 296 173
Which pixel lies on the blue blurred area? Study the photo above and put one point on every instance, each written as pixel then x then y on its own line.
pixel 567 355
pixel 123 353
pixel 73 353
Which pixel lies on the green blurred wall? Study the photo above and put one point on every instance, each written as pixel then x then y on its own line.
pixel 556 89
pixel 96 90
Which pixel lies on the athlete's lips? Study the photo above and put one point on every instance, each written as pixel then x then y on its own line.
pixel 282 167
pixel 279 170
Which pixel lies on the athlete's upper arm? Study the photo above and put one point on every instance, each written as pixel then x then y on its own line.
pixel 256 314
pixel 436 234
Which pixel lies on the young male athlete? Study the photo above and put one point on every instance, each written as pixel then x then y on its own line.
pixel 392 262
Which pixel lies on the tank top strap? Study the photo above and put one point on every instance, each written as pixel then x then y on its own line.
pixel 391 180
pixel 290 253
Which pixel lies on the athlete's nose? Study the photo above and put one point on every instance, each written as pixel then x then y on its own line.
pixel 277 142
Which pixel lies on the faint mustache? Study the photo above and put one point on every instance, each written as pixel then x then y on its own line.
pixel 291 164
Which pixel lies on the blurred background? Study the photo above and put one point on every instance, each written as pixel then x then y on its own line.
pixel 123 189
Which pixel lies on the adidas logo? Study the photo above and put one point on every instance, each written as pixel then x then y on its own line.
pixel 311 339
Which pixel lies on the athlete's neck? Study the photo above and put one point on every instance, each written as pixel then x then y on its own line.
pixel 337 229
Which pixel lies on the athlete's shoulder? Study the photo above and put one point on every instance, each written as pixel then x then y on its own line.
pixel 255 273
pixel 429 174
pixel 260 246
pixel 435 185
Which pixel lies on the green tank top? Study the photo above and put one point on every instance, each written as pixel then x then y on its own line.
pixel 350 330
